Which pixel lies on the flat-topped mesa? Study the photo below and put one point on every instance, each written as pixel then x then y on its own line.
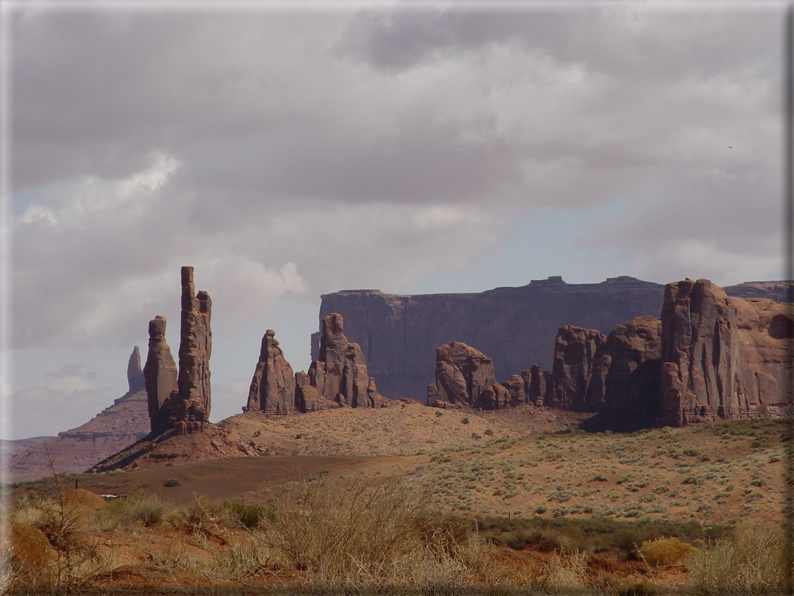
pixel 135 379
pixel 465 377
pixel 722 357
pixel 160 378
pixel 273 386
pixel 195 349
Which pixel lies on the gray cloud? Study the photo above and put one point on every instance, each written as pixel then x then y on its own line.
pixel 293 153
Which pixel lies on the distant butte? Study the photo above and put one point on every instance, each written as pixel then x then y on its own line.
pixel 76 450
pixel 398 334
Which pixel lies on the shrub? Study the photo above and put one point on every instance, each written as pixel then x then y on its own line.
pixel 143 509
pixel 338 531
pixel 636 585
pixel 465 420
pixel 247 514
pixel 751 561
pixel 665 551
pixel 171 482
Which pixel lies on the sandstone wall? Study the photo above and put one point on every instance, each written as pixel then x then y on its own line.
pixel 398 335
pixel 723 357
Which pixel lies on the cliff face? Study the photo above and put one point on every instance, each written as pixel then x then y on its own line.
pixel 723 357
pixel 399 335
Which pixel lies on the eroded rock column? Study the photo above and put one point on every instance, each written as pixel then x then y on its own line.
pixel 273 386
pixel 160 378
pixel 195 348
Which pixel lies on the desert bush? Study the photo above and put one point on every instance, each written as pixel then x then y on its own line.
pixel 172 482
pixel 636 585
pixel 242 513
pixel 336 531
pixel 243 560
pixel 665 551
pixel 564 573
pixel 51 546
pixel 139 508
pixel 753 560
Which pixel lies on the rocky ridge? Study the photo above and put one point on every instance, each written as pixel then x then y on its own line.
pixel 709 356
pixel 76 450
pixel 399 334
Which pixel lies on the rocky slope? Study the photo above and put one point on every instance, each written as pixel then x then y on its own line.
pixel 399 335
pixel 76 450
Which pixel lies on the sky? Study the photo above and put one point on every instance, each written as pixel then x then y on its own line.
pixel 292 150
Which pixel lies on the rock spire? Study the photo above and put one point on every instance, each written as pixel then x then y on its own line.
pixel 135 379
pixel 273 386
pixel 180 398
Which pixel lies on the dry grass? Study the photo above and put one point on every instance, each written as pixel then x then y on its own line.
pixel 665 551
pixel 361 531
pixel 753 561
pixel 342 531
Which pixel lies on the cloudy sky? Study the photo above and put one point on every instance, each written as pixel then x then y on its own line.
pixel 291 151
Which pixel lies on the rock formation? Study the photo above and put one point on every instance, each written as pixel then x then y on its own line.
pixel 273 386
pixel 195 349
pixel 135 378
pixel 634 352
pixel 338 379
pixel 76 450
pixel 160 375
pixel 399 335
pixel 180 399
pixel 574 353
pixel 340 374
pixel 465 377
pixel 722 357
pixel 710 356
pixel 539 384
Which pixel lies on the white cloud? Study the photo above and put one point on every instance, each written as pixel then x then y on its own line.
pixel 64 399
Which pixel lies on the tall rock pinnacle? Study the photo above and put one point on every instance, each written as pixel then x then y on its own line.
pixel 135 378
pixel 181 399
pixel 195 346
pixel 273 386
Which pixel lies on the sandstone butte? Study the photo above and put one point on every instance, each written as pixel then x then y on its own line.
pixel 399 334
pixel 709 356
pixel 338 378
pixel 76 450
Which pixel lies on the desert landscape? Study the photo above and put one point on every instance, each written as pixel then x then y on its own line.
pixel 321 484
pixel 405 297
